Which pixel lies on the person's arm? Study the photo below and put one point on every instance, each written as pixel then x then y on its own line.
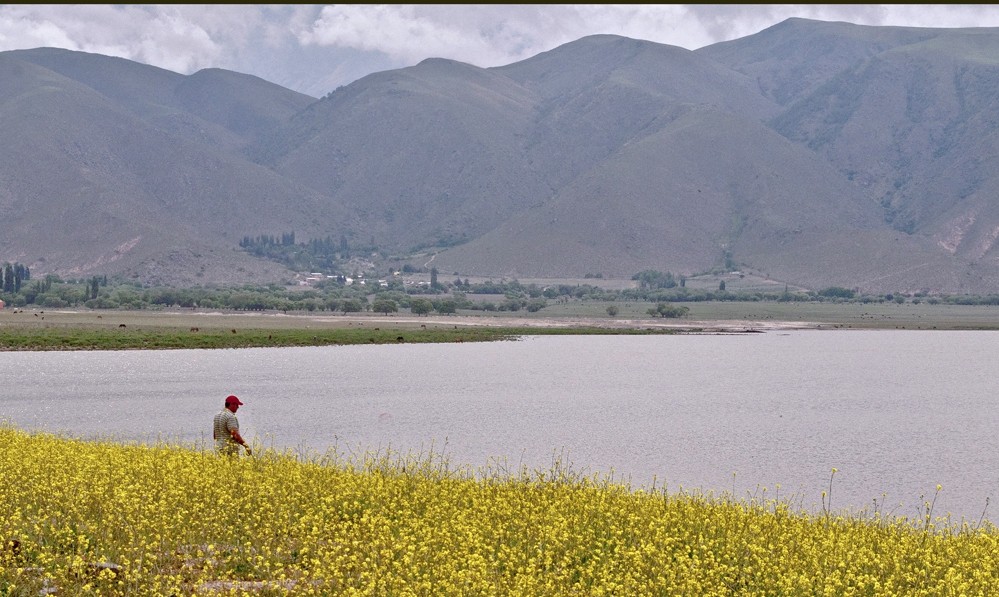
pixel 239 439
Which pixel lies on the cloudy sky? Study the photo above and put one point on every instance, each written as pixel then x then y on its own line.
pixel 314 48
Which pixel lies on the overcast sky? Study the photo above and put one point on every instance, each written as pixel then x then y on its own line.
pixel 314 48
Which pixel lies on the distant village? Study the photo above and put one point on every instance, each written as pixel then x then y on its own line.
pixel 315 278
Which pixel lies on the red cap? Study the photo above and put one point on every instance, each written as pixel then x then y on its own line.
pixel 232 400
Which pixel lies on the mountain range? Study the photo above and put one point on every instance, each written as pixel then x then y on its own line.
pixel 813 153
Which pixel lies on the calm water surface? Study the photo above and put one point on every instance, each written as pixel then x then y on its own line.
pixel 896 412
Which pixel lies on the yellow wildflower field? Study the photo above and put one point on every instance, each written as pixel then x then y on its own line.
pixel 107 518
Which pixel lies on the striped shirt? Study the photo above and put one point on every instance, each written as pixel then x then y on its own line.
pixel 225 423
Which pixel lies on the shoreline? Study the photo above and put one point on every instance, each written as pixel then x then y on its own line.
pixel 170 329
pixel 82 329
pixel 177 318
pixel 689 325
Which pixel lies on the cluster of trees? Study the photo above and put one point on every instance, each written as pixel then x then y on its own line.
pixel 668 310
pixel 661 289
pixel 317 255
pixel 654 280
pixel 98 293
pixel 12 275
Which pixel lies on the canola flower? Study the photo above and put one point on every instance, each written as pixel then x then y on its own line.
pixel 104 518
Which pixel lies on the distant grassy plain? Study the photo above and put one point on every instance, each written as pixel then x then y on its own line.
pixel 42 329
pixel 807 314
pixel 122 330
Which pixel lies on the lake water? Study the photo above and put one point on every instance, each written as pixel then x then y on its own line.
pixel 895 412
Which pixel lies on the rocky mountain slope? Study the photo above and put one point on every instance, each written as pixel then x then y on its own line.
pixel 815 153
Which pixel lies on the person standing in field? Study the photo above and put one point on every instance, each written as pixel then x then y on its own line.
pixel 225 430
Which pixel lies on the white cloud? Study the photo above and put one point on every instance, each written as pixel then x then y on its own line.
pixel 160 35
pixel 492 35
pixel 481 34
pixel 397 30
